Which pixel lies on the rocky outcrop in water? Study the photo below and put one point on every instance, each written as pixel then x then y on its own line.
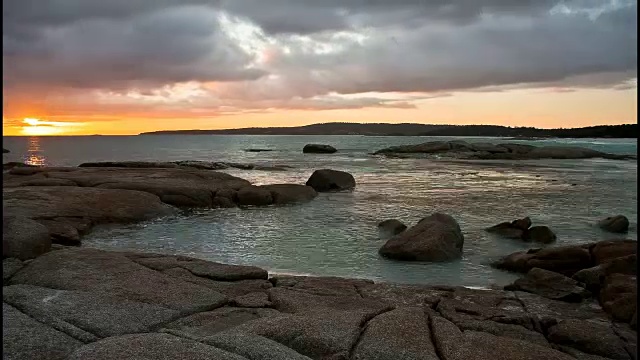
pixel 608 269
pixel 615 224
pixel 91 304
pixel 318 149
pixel 511 230
pixel 482 151
pixel 331 180
pixel 567 260
pixel 521 229
pixel 69 201
pixel 435 238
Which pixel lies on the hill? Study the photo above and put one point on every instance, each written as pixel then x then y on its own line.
pixel 604 131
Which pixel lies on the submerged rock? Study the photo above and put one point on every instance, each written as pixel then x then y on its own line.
pixel 331 180
pixel 435 238
pixel 615 224
pixel 391 227
pixel 318 149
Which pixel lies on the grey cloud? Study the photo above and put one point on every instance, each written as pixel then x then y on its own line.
pixel 164 46
pixel 494 52
pixel 431 46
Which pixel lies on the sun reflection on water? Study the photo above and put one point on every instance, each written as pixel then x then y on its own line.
pixel 35 155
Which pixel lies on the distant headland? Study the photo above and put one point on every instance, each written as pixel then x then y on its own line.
pixel 408 129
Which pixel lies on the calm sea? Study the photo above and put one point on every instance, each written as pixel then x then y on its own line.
pixel 336 234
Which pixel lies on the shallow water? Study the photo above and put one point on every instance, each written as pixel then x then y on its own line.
pixel 336 233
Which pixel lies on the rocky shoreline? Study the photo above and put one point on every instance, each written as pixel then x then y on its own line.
pixel 65 302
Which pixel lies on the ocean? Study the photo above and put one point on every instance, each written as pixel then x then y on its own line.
pixel 336 234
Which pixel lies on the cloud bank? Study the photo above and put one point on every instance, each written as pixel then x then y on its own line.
pixel 247 55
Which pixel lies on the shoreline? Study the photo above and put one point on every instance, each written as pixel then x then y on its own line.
pixel 82 303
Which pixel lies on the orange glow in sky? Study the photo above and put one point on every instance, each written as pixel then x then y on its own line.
pixel 37 127
pixel 527 107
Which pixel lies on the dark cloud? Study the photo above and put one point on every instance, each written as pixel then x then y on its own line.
pixel 298 52
pixel 311 16
pixel 168 45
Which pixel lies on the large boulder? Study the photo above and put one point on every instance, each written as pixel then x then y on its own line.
pixel 615 224
pixel 331 180
pixel 435 238
pixel 551 285
pixel 318 149
pixel 23 238
pixel 391 227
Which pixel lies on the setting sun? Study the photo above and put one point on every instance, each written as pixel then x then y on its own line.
pixel 37 127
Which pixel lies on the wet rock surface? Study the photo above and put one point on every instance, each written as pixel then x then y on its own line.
pixel 78 303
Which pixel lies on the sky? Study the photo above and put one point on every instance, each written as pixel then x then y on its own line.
pixel 83 67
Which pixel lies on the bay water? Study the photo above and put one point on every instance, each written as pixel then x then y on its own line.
pixel 336 234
